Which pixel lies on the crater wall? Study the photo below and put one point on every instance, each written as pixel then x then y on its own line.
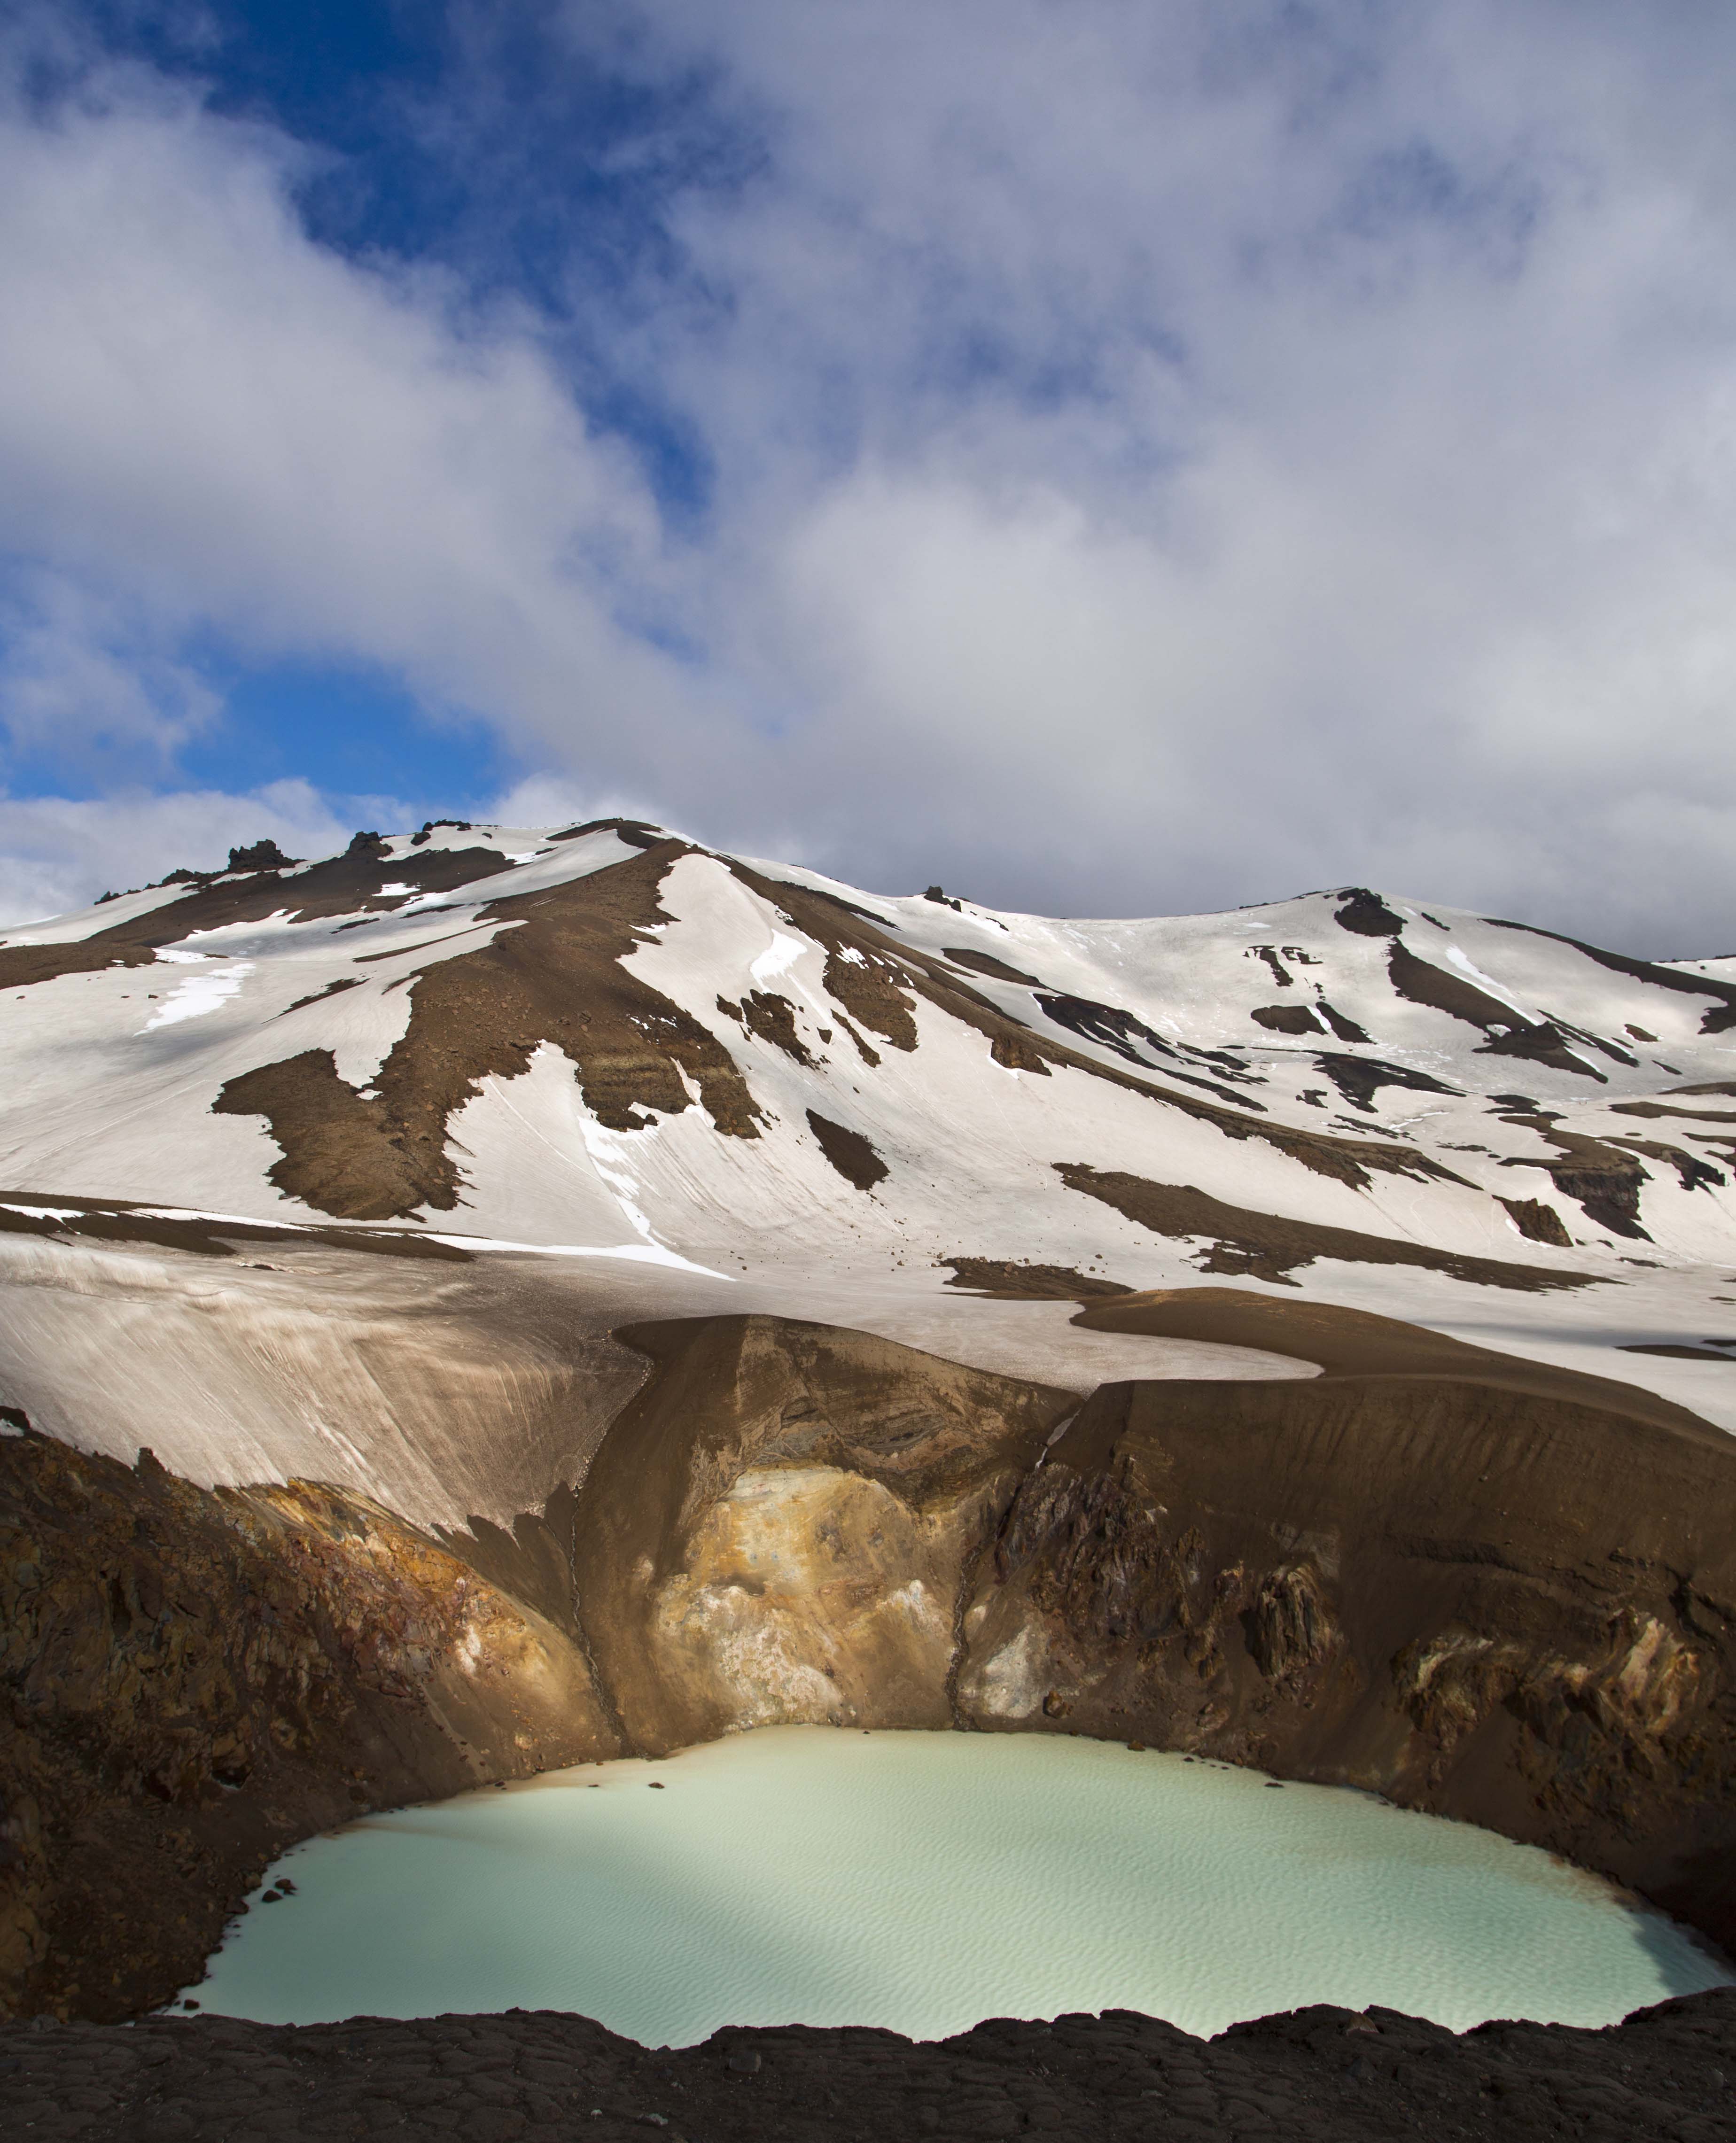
pixel 1484 1590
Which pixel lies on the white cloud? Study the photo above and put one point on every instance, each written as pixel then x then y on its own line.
pixel 1165 455
pixel 209 418
pixel 58 853
pixel 1386 527
pixel 81 675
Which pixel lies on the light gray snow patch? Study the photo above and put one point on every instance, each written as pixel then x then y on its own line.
pixel 199 993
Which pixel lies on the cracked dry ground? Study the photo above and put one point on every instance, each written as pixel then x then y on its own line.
pixel 1324 2073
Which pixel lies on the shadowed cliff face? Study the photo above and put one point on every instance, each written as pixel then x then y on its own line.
pixel 1457 1596
pixel 1478 1586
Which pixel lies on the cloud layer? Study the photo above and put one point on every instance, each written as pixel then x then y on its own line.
pixel 1149 458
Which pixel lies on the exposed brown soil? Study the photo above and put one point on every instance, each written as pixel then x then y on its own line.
pixel 1538 1223
pixel 873 992
pixel 116 1221
pixel 1287 1019
pixel 194 1680
pixel 341 1151
pixel 1678 1353
pixel 1341 1024
pixel 1131 1039
pixel 985 963
pixel 1012 1281
pixel 1367 914
pixel 1356 1343
pixel 849 1152
pixel 637 832
pixel 318 997
pixel 1319 2075
pixel 1692 1172
pixel 866 1050
pixel 1270 1247
pixel 772 1018
pixel 1602 1180
pixel 556 976
pixel 1359 1079
pixel 1663 1109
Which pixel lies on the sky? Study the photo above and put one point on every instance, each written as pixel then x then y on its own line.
pixel 1107 457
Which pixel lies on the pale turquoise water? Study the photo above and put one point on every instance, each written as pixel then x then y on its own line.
pixel 925 1881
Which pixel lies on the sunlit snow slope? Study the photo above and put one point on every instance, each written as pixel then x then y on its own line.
pixel 648 1079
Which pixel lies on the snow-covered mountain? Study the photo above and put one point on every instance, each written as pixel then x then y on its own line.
pixel 585 1294
pixel 498 1090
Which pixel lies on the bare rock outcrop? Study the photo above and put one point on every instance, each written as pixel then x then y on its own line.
pixel 777 1529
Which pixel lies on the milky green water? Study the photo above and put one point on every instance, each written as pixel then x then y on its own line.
pixel 925 1881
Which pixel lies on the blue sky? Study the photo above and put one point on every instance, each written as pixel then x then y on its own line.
pixel 1110 458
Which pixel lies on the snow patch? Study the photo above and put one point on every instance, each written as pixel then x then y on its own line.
pixel 200 993
pixel 778 958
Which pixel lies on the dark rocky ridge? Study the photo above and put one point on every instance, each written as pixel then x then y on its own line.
pixel 1320 2075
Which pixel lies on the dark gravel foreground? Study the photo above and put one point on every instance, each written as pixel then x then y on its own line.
pixel 1326 2073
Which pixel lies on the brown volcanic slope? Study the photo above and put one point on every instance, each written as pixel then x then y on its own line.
pixel 1355 1343
pixel 556 977
pixel 1269 1247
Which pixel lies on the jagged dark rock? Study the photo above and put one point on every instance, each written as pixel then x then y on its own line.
pixel 1317 2075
